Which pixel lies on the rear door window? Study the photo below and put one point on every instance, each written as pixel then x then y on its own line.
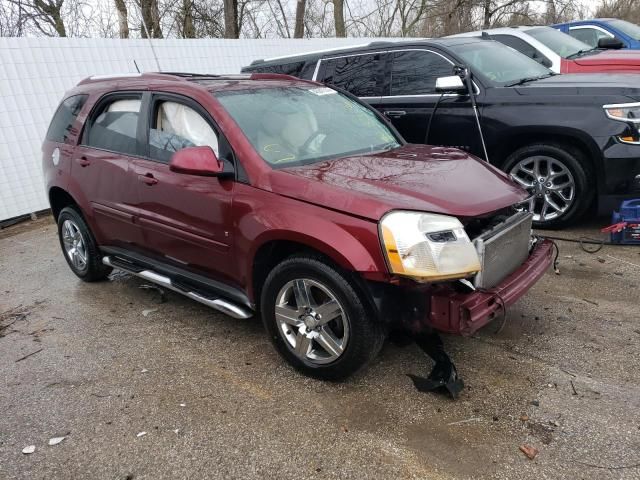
pixel 114 126
pixel 517 44
pixel 64 118
pixel 415 72
pixel 361 75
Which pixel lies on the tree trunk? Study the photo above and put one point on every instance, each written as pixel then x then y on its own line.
pixel 188 29
pixel 150 19
pixel 487 14
pixel 52 11
pixel 231 29
pixel 338 18
pixel 123 21
pixel 299 28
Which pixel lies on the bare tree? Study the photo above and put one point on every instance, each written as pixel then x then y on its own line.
pixel 231 27
pixel 12 20
pixel 123 18
pixel 338 18
pixel 150 19
pixel 44 15
pixel 623 9
pixel 298 31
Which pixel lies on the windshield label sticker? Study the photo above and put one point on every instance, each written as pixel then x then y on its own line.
pixel 322 91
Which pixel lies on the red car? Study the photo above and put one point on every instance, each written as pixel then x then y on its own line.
pixel 271 195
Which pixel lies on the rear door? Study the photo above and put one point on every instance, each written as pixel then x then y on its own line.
pixel 361 74
pixel 101 163
pixel 413 97
pixel 186 219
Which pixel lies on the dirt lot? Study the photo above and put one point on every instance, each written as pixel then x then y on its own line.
pixel 109 362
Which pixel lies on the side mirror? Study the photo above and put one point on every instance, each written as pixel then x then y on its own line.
pixel 452 84
pixel 200 161
pixel 610 43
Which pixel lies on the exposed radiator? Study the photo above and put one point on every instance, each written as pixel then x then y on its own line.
pixel 503 249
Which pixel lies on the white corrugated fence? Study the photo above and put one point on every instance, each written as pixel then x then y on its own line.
pixel 35 73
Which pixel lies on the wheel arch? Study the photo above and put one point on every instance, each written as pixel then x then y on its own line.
pixel 515 139
pixel 276 246
pixel 59 198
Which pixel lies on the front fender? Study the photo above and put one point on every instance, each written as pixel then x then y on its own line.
pixel 262 217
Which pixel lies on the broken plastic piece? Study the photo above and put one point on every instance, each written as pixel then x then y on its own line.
pixel 29 450
pixel 56 440
pixel 443 376
pixel 141 434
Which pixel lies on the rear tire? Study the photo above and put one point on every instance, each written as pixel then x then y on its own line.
pixel 321 326
pixel 558 177
pixel 79 247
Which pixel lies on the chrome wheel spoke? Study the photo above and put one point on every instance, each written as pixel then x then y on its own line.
pixel 549 202
pixel 329 342
pixel 521 181
pixel 288 315
pixel 328 311
pixel 302 293
pixel 303 345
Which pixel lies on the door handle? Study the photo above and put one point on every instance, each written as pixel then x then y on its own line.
pixel 84 161
pixel 395 113
pixel 148 178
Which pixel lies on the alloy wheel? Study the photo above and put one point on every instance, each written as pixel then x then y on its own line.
pixel 312 321
pixel 550 183
pixel 74 245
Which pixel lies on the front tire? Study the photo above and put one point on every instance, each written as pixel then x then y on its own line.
pixel 79 246
pixel 316 319
pixel 557 178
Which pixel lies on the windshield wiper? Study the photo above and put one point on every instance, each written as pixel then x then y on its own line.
pixel 522 81
pixel 580 53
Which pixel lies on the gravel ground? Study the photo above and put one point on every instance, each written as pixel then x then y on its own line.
pixel 109 362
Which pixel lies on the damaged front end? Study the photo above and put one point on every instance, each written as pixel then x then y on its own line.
pixel 511 261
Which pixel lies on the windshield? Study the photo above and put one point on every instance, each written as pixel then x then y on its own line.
pixel 299 125
pixel 498 63
pixel 561 43
pixel 627 28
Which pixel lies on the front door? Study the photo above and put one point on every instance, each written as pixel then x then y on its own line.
pixel 410 103
pixel 186 219
pixel 101 167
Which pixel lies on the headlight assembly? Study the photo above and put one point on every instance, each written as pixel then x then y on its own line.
pixel 630 114
pixel 427 247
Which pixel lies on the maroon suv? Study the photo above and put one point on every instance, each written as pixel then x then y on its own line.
pixel 269 194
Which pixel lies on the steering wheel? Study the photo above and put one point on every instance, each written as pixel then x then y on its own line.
pixel 305 146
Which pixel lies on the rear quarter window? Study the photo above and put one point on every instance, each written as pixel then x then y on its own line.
pixel 64 117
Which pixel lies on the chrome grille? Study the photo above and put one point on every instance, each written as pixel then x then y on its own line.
pixel 502 249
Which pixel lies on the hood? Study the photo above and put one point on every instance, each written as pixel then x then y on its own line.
pixel 624 58
pixel 615 80
pixel 413 177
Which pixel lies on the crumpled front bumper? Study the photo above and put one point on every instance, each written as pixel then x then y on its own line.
pixel 464 313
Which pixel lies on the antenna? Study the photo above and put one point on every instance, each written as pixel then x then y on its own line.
pixel 134 62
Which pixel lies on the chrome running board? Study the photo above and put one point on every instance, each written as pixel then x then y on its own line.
pixel 219 304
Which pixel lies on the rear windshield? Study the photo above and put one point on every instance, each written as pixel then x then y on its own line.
pixel 300 125
pixel 64 117
pixel 628 28
pixel 561 43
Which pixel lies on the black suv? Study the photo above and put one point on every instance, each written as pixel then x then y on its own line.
pixel 567 138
